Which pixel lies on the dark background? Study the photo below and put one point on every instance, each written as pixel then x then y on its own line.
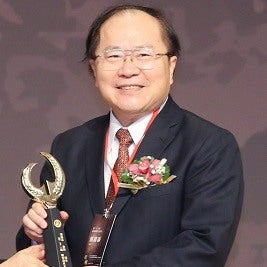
pixel 44 90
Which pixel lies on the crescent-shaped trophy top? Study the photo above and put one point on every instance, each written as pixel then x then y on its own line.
pixel 49 193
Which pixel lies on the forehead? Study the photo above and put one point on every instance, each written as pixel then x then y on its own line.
pixel 131 28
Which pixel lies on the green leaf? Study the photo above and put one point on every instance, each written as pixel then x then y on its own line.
pixel 126 178
pixel 167 173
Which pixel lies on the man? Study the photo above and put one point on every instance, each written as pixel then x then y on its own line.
pixel 29 257
pixel 132 52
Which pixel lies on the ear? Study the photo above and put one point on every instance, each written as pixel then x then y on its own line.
pixel 92 66
pixel 173 60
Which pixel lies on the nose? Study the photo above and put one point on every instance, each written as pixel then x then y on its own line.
pixel 128 67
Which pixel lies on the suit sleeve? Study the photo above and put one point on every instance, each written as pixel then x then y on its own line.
pixel 213 195
pixel 22 241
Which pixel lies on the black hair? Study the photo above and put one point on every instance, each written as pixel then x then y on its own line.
pixel 170 37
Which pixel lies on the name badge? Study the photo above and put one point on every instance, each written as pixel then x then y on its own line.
pixel 98 239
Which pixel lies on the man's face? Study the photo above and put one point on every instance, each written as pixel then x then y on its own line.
pixel 131 91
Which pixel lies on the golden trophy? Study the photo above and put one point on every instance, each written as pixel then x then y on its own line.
pixel 56 247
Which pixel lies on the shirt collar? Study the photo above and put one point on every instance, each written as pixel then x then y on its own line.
pixel 136 129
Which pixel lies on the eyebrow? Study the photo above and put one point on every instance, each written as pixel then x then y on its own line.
pixel 111 47
pixel 144 46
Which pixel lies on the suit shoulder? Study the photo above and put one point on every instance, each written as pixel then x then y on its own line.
pixel 204 128
pixel 84 130
pixel 192 124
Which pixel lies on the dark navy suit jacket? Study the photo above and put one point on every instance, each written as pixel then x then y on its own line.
pixel 190 222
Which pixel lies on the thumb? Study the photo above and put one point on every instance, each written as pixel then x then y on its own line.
pixel 64 216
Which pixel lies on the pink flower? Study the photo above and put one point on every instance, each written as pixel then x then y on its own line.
pixel 144 166
pixel 134 169
pixel 144 172
pixel 156 178
pixel 155 163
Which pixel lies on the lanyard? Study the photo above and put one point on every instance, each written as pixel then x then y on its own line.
pixel 113 174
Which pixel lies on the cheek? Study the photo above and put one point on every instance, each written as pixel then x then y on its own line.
pixel 161 77
pixel 102 80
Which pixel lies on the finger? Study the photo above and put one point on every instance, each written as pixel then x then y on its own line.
pixel 37 217
pixel 37 251
pixel 41 252
pixel 32 230
pixel 64 216
pixel 29 224
pixel 39 209
pixel 33 236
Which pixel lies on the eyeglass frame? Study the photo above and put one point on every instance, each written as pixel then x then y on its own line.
pixel 129 52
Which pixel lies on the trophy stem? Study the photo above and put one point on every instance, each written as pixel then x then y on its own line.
pixel 56 247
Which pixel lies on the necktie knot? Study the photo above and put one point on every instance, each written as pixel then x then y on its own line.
pixel 124 137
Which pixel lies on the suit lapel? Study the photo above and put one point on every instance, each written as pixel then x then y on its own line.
pixel 159 136
pixel 94 164
pixel 162 131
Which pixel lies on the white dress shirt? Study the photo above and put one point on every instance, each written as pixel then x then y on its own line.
pixel 137 131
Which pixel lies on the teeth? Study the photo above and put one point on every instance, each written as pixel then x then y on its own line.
pixel 130 87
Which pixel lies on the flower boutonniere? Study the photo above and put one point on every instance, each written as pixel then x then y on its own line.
pixel 144 172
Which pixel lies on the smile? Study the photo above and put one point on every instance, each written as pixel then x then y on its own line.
pixel 130 87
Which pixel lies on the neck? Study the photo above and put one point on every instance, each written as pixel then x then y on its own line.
pixel 127 120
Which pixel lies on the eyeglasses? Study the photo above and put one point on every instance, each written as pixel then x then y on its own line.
pixel 144 58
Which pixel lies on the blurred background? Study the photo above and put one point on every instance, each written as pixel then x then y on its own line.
pixel 44 90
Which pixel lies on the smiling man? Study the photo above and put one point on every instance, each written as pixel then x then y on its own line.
pixel 132 52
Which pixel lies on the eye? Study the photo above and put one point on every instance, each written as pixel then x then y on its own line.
pixel 143 54
pixel 114 55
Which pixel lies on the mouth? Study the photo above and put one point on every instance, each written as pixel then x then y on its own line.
pixel 130 87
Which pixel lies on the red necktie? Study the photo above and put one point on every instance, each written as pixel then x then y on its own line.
pixel 125 140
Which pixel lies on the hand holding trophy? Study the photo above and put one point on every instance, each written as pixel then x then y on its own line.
pixel 56 247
